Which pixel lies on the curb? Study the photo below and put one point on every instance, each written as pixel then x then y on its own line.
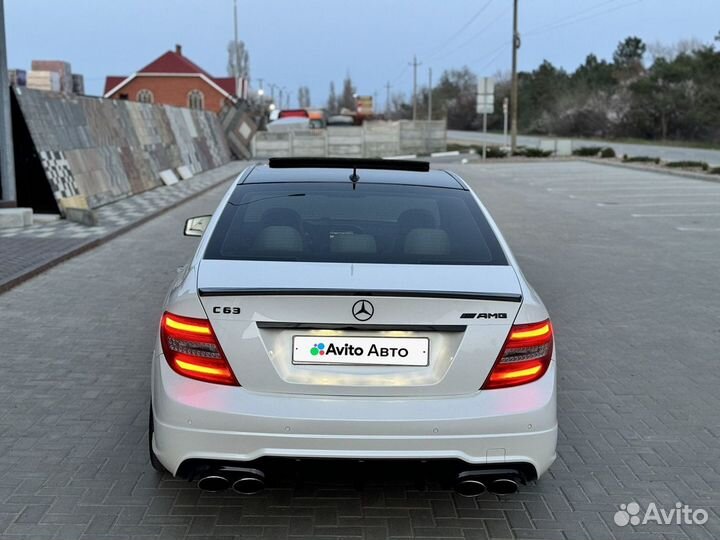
pixel 95 242
pixel 654 168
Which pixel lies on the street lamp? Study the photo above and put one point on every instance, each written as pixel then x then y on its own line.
pixel 261 92
pixel 271 107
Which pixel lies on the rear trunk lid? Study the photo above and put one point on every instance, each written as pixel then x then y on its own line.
pixel 359 329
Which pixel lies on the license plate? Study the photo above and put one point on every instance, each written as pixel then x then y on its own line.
pixel 370 351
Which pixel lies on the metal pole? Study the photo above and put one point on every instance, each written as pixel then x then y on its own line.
pixel 514 89
pixel 387 100
pixel 7 161
pixel 427 125
pixel 236 63
pixel 430 89
pixel 281 98
pixel 484 133
pixel 505 122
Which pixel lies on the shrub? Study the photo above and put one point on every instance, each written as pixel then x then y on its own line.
pixel 587 151
pixel 453 147
pixel 688 165
pixel 640 159
pixel 533 152
pixel 714 170
pixel 494 152
pixel 607 152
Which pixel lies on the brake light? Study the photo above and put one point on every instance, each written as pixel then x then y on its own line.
pixel 192 350
pixel 525 357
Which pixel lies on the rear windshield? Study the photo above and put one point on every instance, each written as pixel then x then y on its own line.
pixel 375 223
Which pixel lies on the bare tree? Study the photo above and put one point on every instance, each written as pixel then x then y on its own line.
pixel 243 59
pixel 304 97
pixel 672 51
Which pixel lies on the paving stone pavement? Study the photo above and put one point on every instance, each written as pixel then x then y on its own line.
pixel 635 306
pixel 27 248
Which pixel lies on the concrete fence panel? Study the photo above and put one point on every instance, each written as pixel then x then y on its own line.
pixel 373 139
pixel 346 141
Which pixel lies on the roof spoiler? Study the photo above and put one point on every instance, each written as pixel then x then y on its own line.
pixel 348 163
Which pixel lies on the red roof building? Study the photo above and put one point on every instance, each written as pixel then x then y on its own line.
pixel 172 79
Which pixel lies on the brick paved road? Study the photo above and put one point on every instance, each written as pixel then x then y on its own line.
pixel 627 263
pixel 28 250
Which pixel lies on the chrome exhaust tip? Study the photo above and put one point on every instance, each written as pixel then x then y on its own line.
pixel 503 486
pixel 248 485
pixel 469 488
pixel 213 483
pixel 246 481
pixel 468 484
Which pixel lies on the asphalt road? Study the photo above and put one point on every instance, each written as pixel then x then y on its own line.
pixel 668 153
pixel 627 264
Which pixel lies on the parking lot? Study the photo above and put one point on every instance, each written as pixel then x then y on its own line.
pixel 625 260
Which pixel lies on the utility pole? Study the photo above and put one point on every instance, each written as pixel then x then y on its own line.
pixel 514 88
pixel 238 85
pixel 7 160
pixel 387 99
pixel 430 89
pixel 415 65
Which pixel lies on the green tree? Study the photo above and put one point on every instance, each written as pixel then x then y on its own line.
pixel 628 57
pixel 347 101
pixel 332 103
pixel 455 96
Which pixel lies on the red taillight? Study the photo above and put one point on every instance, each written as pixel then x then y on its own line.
pixel 525 356
pixel 191 349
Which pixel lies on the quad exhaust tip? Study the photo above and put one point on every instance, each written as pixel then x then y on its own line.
pixel 470 488
pixel 248 485
pixel 475 483
pixel 213 483
pixel 243 481
pixel 503 486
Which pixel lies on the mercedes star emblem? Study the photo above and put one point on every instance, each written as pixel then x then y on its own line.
pixel 362 310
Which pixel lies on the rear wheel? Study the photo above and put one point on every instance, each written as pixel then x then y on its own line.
pixel 154 461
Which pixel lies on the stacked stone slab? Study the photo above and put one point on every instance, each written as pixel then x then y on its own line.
pixel 104 150
pixel 60 67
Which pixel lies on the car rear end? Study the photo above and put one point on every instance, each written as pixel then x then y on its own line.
pixel 369 328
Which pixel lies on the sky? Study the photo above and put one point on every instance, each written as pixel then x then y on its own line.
pixel 313 42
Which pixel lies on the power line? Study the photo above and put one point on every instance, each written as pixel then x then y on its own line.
pixel 472 38
pixel 574 17
pixel 464 26
pixel 586 18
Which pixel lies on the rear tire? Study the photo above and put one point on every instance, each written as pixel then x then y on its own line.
pixel 154 461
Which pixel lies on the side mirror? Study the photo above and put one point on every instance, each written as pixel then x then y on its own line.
pixel 195 226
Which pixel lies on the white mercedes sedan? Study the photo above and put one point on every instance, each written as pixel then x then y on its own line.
pixel 352 309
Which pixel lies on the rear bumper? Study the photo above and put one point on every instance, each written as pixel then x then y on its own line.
pixel 196 420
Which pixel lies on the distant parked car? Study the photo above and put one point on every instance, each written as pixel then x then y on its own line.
pixel 318 118
pixel 291 123
pixel 294 113
pixel 341 120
